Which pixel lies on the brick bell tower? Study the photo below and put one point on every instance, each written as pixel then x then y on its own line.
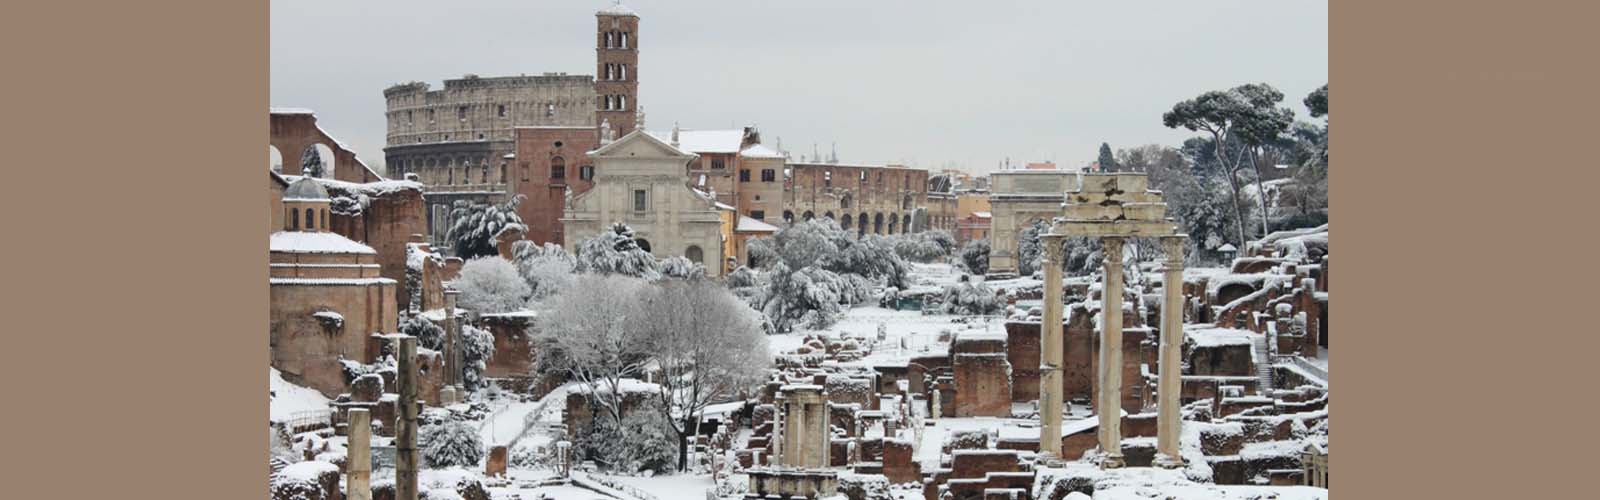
pixel 616 77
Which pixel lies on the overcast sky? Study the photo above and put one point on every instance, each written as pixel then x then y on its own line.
pixel 918 82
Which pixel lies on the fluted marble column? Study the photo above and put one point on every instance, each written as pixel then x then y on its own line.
pixel 1050 351
pixel 1169 420
pixel 1109 407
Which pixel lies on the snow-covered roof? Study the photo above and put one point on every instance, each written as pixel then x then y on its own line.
pixel 705 141
pixel 617 9
pixel 1227 247
pixel 291 111
pixel 759 151
pixel 305 189
pixel 374 188
pixel 1218 337
pixel 310 242
pixel 664 141
pixel 751 225
pixel 983 215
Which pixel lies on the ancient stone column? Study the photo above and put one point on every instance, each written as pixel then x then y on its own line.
pixel 405 436
pixel 358 463
pixel 1110 404
pixel 452 336
pixel 1050 351
pixel 1169 420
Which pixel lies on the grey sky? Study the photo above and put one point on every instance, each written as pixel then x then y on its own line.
pixel 917 82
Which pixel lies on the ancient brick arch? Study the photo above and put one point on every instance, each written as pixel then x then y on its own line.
pixel 1231 292
pixel 294 130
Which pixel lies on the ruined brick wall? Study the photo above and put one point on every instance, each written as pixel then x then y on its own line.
pixel 983 384
pixel 295 131
pixel 299 344
pixel 387 225
pixel 513 350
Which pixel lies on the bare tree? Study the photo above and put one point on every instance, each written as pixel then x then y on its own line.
pixel 594 328
pixel 708 346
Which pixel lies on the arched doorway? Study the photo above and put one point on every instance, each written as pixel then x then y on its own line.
pixel 905 223
pixel 877 223
pixel 893 221
pixel 828 215
pixel 861 229
pixel 845 222
pixel 788 217
pixel 808 215
pixel 644 244
pixel 695 255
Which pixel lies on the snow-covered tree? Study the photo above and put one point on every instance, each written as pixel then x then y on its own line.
pixel 452 443
pixel 477 224
pixel 592 335
pixel 428 334
pixel 708 347
pixel 491 285
pixel 1317 101
pixel 477 347
pixel 974 257
pixel 547 269
pixel 1108 162
pixel 682 268
pixel 971 297
pixel 641 441
pixel 311 163
pixel 1029 251
pixel 926 246
pixel 616 252
pixel 1245 116
pixel 813 268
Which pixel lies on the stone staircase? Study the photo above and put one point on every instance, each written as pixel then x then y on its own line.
pixel 1263 359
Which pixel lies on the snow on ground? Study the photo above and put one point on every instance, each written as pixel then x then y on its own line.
pixel 1149 482
pixel 289 399
pixel 687 486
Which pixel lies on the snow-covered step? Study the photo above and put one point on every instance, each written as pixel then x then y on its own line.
pixel 1263 359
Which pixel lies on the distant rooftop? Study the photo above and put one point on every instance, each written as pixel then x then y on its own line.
pixel 617 9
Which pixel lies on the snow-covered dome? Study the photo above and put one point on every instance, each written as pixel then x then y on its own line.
pixel 305 189
pixel 617 9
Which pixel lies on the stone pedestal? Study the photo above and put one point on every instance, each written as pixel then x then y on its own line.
pixel 358 456
pixel 1109 405
pixel 1050 351
pixel 1169 420
pixel 495 466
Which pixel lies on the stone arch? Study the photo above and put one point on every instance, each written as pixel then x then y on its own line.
pixel 905 223
pixel 695 254
pixel 844 223
pixel 788 216
pixel 644 244
pixel 861 225
pixel 894 220
pixel 809 215
pixel 828 215
pixel 1231 292
pixel 274 159
pixel 877 223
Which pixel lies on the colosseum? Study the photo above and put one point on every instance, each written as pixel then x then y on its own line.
pixel 456 139
pixel 869 199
